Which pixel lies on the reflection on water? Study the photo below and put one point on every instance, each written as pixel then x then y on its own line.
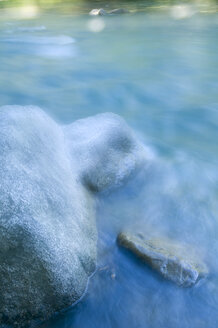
pixel 158 69
pixel 52 46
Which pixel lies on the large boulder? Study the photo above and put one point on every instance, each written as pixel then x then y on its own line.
pixel 47 215
pixel 172 260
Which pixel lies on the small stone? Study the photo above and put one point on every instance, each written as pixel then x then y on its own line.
pixel 113 276
pixel 173 261
pixel 98 12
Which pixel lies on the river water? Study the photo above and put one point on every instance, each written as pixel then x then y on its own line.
pixel 157 67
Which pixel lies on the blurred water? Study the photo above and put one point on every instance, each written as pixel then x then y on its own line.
pixel 157 68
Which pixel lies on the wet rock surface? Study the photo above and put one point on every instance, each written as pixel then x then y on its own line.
pixel 173 261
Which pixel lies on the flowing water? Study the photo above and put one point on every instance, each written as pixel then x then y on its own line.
pixel 158 68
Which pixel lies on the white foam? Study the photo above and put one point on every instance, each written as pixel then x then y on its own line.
pixel 49 47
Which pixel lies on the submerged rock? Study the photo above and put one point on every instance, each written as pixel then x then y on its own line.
pixel 47 216
pixel 172 261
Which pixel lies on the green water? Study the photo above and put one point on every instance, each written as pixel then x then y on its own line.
pixel 158 68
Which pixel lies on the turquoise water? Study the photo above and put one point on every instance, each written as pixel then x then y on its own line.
pixel 158 69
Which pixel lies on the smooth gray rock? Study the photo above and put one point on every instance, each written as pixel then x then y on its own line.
pixel 47 209
pixel 173 261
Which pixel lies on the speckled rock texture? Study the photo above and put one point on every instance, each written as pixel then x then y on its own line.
pixel 172 260
pixel 48 173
